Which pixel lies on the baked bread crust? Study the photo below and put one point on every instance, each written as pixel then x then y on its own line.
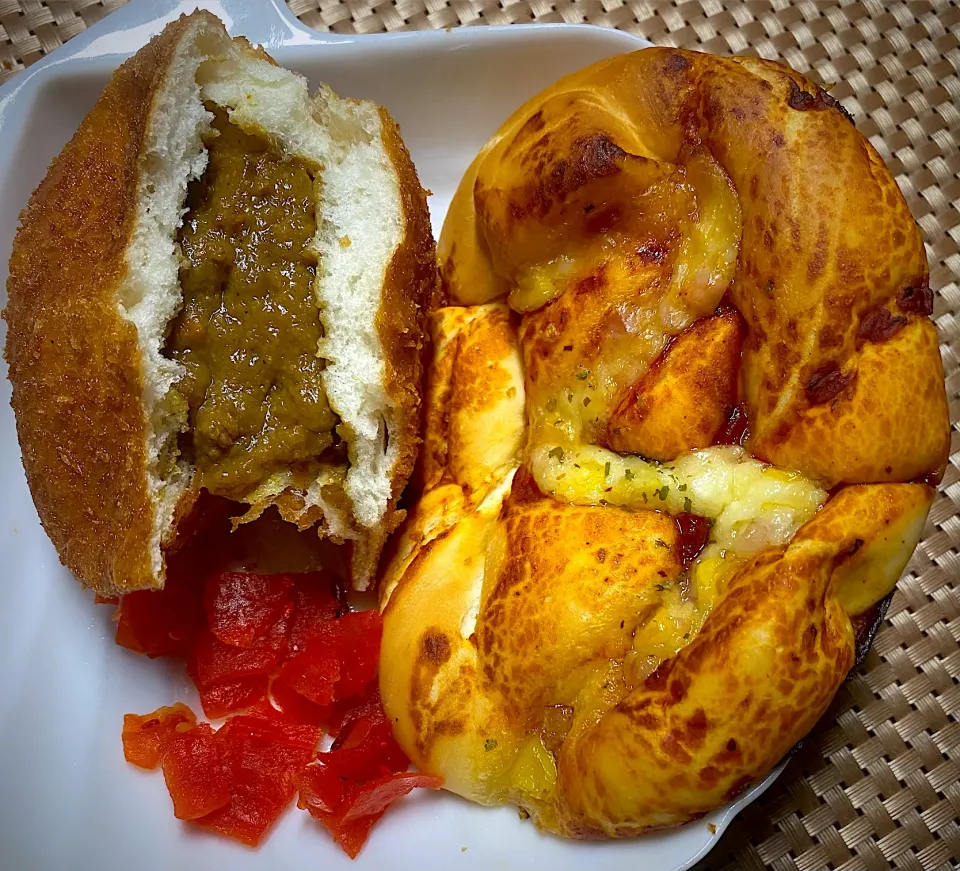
pixel 74 362
pixel 538 644
pixel 400 320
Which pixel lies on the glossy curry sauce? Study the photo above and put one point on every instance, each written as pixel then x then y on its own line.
pixel 248 331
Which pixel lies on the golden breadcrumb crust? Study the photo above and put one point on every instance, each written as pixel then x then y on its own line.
pixel 74 360
pixel 408 292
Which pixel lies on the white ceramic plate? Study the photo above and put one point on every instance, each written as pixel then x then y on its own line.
pixel 67 798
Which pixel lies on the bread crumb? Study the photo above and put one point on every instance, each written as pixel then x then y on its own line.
pixel 712 828
pixel 344 241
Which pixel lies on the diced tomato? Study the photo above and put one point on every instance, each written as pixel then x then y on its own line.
pixel 215 662
pixel 694 531
pixel 344 712
pixel 369 751
pixel 320 794
pixel 350 837
pixel 339 662
pixel 315 605
pixel 349 810
pixel 313 674
pixel 320 788
pixel 232 695
pixel 196 772
pixel 144 735
pixel 162 622
pixel 267 722
pixel 242 606
pixel 263 781
pixel 355 638
pixel 295 708
pixel 375 796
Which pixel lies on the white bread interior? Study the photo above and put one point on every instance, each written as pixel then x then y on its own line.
pixel 360 224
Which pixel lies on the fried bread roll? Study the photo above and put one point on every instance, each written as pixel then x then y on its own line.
pixel 218 286
pixel 683 417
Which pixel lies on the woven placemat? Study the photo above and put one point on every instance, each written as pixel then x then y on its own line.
pixel 877 784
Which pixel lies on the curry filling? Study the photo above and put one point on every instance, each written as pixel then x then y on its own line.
pixel 249 328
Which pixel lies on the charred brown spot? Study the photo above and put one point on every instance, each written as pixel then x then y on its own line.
pixel 916 299
pixel 435 647
pixel 658 680
pixel 592 157
pixel 602 220
pixel 591 284
pixel 652 252
pixel 678 691
pixel 826 383
pixel 697 726
pixel 880 325
pixel 672 745
pixel 676 63
pixel 804 102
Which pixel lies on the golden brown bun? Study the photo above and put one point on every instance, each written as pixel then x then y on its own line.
pixel 88 392
pixel 552 636
pixel 74 362
pixel 832 282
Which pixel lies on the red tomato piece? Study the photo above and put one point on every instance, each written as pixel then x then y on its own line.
pixel 263 781
pixel 242 606
pixel 315 605
pixel 346 711
pixel 321 792
pixel 375 796
pixel 340 661
pixel 145 734
pixel 313 674
pixel 232 695
pixel 215 662
pixel 295 708
pixel 355 638
pixel 368 751
pixel 162 622
pixel 349 810
pixel 351 837
pixel 196 772
pixel 267 722
pixel 320 788
pixel 694 532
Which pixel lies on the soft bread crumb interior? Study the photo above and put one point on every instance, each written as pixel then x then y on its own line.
pixel 360 223
pixel 172 156
pixel 361 227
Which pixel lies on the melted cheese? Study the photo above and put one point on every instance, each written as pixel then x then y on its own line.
pixel 750 504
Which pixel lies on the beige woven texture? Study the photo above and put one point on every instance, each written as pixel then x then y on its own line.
pixel 877 784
